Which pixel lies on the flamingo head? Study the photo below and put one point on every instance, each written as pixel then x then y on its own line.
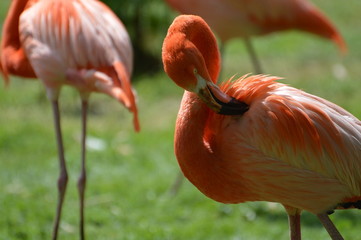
pixel 191 59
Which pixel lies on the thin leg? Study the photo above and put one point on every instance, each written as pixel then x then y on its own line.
pixel 177 184
pixel 295 226
pixel 221 50
pixel 82 177
pixel 63 177
pixel 255 62
pixel 330 227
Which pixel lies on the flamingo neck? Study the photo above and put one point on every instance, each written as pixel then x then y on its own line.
pixel 11 24
pixel 200 162
pixel 190 150
pixel 13 58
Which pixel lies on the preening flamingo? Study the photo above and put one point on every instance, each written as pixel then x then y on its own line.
pixel 80 43
pixel 246 19
pixel 255 139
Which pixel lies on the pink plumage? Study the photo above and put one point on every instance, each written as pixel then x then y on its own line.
pixel 79 43
pixel 255 139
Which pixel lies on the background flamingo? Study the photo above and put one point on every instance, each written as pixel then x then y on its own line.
pixel 246 19
pixel 282 144
pixel 80 43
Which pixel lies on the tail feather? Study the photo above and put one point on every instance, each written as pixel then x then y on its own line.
pixel 337 38
pixel 303 16
pixel 314 21
pixel 129 92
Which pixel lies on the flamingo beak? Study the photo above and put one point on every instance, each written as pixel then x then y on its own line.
pixel 218 101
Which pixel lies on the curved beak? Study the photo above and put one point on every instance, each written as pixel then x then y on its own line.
pixel 219 101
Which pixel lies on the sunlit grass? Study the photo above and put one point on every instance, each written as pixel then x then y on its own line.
pixel 129 178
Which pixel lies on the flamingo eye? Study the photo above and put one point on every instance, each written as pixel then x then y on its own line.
pixel 195 71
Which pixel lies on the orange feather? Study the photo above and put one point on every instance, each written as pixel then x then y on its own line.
pixel 286 146
pixel 64 42
pixel 247 18
pixel 80 43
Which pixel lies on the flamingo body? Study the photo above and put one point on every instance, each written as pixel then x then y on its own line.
pixel 255 139
pixel 289 147
pixel 80 43
pixel 245 18
pixel 76 45
pixel 249 18
pixel 70 43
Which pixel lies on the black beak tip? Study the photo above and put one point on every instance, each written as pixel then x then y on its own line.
pixel 233 107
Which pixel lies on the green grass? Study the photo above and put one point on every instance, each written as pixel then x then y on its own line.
pixel 128 182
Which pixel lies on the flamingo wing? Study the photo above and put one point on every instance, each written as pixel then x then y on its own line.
pixel 81 43
pixel 81 34
pixel 293 147
pixel 266 16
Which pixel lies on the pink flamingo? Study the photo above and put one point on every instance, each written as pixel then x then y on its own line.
pixel 80 43
pixel 245 19
pixel 255 139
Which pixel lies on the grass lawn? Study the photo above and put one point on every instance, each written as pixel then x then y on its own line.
pixel 129 174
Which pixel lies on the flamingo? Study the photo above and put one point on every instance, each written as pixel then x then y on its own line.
pixel 80 43
pixel 256 139
pixel 245 19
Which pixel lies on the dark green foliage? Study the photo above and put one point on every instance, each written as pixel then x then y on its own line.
pixel 147 22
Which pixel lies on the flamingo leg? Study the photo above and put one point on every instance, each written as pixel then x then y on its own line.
pixel 82 177
pixel 330 227
pixel 294 221
pixel 221 50
pixel 63 177
pixel 177 184
pixel 252 53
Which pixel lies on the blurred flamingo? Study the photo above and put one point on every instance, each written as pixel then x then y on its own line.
pixel 80 43
pixel 245 19
pixel 255 139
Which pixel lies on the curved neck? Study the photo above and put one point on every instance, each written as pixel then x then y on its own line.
pixel 13 58
pixel 200 163
pixel 189 146
pixel 11 24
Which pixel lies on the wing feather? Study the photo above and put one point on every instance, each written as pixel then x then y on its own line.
pixel 81 33
pixel 298 129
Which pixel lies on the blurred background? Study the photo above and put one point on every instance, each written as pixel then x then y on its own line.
pixel 130 174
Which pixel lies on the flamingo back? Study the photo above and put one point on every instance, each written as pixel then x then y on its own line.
pixel 82 36
pixel 247 18
pixel 75 33
pixel 292 147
